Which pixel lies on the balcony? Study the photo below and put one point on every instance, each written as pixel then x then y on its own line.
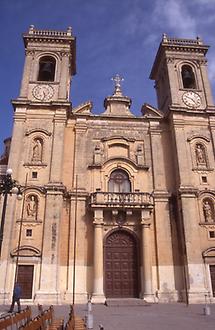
pixel 110 200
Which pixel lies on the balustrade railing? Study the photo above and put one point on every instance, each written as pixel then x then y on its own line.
pixel 108 199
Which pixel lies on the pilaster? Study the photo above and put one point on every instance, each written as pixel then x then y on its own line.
pixel 58 146
pixel 98 291
pixel 26 73
pixel 147 292
pixel 195 268
pixel 49 273
pixel 165 267
pixel 63 89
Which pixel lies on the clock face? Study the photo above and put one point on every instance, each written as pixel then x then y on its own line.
pixel 43 92
pixel 191 99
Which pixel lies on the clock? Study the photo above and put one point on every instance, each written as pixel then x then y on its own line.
pixel 191 99
pixel 43 92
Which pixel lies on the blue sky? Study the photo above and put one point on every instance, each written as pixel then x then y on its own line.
pixel 112 37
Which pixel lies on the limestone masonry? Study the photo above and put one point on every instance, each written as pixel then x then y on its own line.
pixel 130 197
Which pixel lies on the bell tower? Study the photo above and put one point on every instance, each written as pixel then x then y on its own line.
pixel 180 74
pixel 49 65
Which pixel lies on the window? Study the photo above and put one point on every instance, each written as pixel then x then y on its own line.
pixel 28 232
pixel 34 175
pixel 204 179
pixel 47 69
pixel 119 182
pixel 212 234
pixel 188 77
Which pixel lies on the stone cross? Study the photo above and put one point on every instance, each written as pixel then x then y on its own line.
pixel 117 79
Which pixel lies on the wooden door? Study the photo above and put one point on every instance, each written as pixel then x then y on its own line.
pixel 121 265
pixel 25 279
pixel 212 272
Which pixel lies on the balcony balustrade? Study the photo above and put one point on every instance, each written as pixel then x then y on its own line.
pixel 125 200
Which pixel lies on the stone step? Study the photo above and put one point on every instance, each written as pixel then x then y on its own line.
pixel 126 302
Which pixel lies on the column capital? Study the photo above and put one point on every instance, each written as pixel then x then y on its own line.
pixel 146 216
pixel 98 217
pixel 145 224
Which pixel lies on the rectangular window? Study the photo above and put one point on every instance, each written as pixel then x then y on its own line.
pixel 212 234
pixel 34 175
pixel 204 179
pixel 28 232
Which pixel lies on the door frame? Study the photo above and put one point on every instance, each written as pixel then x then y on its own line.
pixel 137 241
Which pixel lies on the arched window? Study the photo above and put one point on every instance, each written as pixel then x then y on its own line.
pixel 46 69
pixel 119 182
pixel 188 77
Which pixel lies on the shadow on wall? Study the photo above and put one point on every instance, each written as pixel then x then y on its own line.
pixel 167 294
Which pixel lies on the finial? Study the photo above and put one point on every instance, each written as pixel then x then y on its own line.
pixel 31 29
pixel 199 41
pixel 69 31
pixel 164 37
pixel 117 79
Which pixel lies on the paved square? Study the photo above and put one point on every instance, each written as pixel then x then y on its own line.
pixel 146 317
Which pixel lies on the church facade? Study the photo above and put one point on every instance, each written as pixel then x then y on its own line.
pixel 113 205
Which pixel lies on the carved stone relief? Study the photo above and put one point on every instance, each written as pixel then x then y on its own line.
pixel 37 150
pixel 200 154
pixel 31 207
pixel 208 210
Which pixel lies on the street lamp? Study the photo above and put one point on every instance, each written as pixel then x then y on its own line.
pixel 7 186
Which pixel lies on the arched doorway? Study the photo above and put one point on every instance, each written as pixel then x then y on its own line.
pixel 121 265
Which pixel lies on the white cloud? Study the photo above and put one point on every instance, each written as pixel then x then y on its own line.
pixel 205 2
pixel 174 14
pixel 211 67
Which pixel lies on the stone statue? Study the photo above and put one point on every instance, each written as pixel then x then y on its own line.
pixel 200 154
pixel 37 151
pixel 207 211
pixel 31 207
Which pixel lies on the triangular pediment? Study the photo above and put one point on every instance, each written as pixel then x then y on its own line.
pixel 149 111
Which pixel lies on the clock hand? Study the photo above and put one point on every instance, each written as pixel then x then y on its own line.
pixel 189 97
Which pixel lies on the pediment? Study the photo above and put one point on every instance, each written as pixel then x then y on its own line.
pixel 26 251
pixel 113 139
pixel 209 253
pixel 38 130
pixel 149 111
pixel 84 108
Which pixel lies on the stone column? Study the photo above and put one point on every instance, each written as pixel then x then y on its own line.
pixel 98 291
pixel 146 256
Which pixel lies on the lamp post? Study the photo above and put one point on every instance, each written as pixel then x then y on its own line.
pixel 7 186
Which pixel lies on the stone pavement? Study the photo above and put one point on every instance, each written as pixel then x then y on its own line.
pixel 143 317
